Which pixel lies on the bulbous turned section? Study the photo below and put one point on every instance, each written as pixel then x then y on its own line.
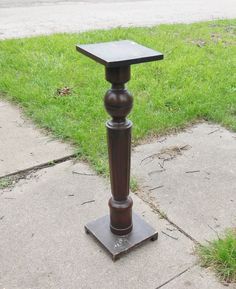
pixel 118 103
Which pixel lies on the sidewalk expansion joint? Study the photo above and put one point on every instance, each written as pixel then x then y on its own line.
pixel 175 277
pixel 145 198
pixel 21 174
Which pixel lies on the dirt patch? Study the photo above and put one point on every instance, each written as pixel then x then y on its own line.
pixel 167 154
pixel 8 183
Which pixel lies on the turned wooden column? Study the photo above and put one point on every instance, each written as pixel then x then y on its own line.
pixel 121 230
pixel 118 102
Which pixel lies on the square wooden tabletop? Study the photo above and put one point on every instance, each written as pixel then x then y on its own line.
pixel 119 53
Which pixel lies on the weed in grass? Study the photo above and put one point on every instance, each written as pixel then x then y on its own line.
pixel 195 80
pixel 220 255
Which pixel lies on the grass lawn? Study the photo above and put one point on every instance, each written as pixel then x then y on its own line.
pixel 221 256
pixel 196 80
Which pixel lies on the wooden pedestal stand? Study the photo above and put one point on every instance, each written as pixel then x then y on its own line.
pixel 122 230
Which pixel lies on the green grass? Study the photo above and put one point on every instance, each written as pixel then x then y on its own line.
pixel 220 255
pixel 133 184
pixel 5 183
pixel 196 80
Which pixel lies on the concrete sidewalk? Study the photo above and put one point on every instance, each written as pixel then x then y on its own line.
pixel 42 217
pixel 22 146
pixel 43 243
pixel 191 177
pixel 82 16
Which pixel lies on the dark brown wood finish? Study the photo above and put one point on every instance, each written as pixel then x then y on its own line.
pixel 119 53
pixel 118 245
pixel 118 102
pixel 117 57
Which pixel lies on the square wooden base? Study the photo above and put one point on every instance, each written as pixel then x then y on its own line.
pixel 118 245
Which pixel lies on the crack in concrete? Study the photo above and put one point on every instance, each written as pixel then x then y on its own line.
pixel 145 198
pixel 21 174
pixel 175 277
